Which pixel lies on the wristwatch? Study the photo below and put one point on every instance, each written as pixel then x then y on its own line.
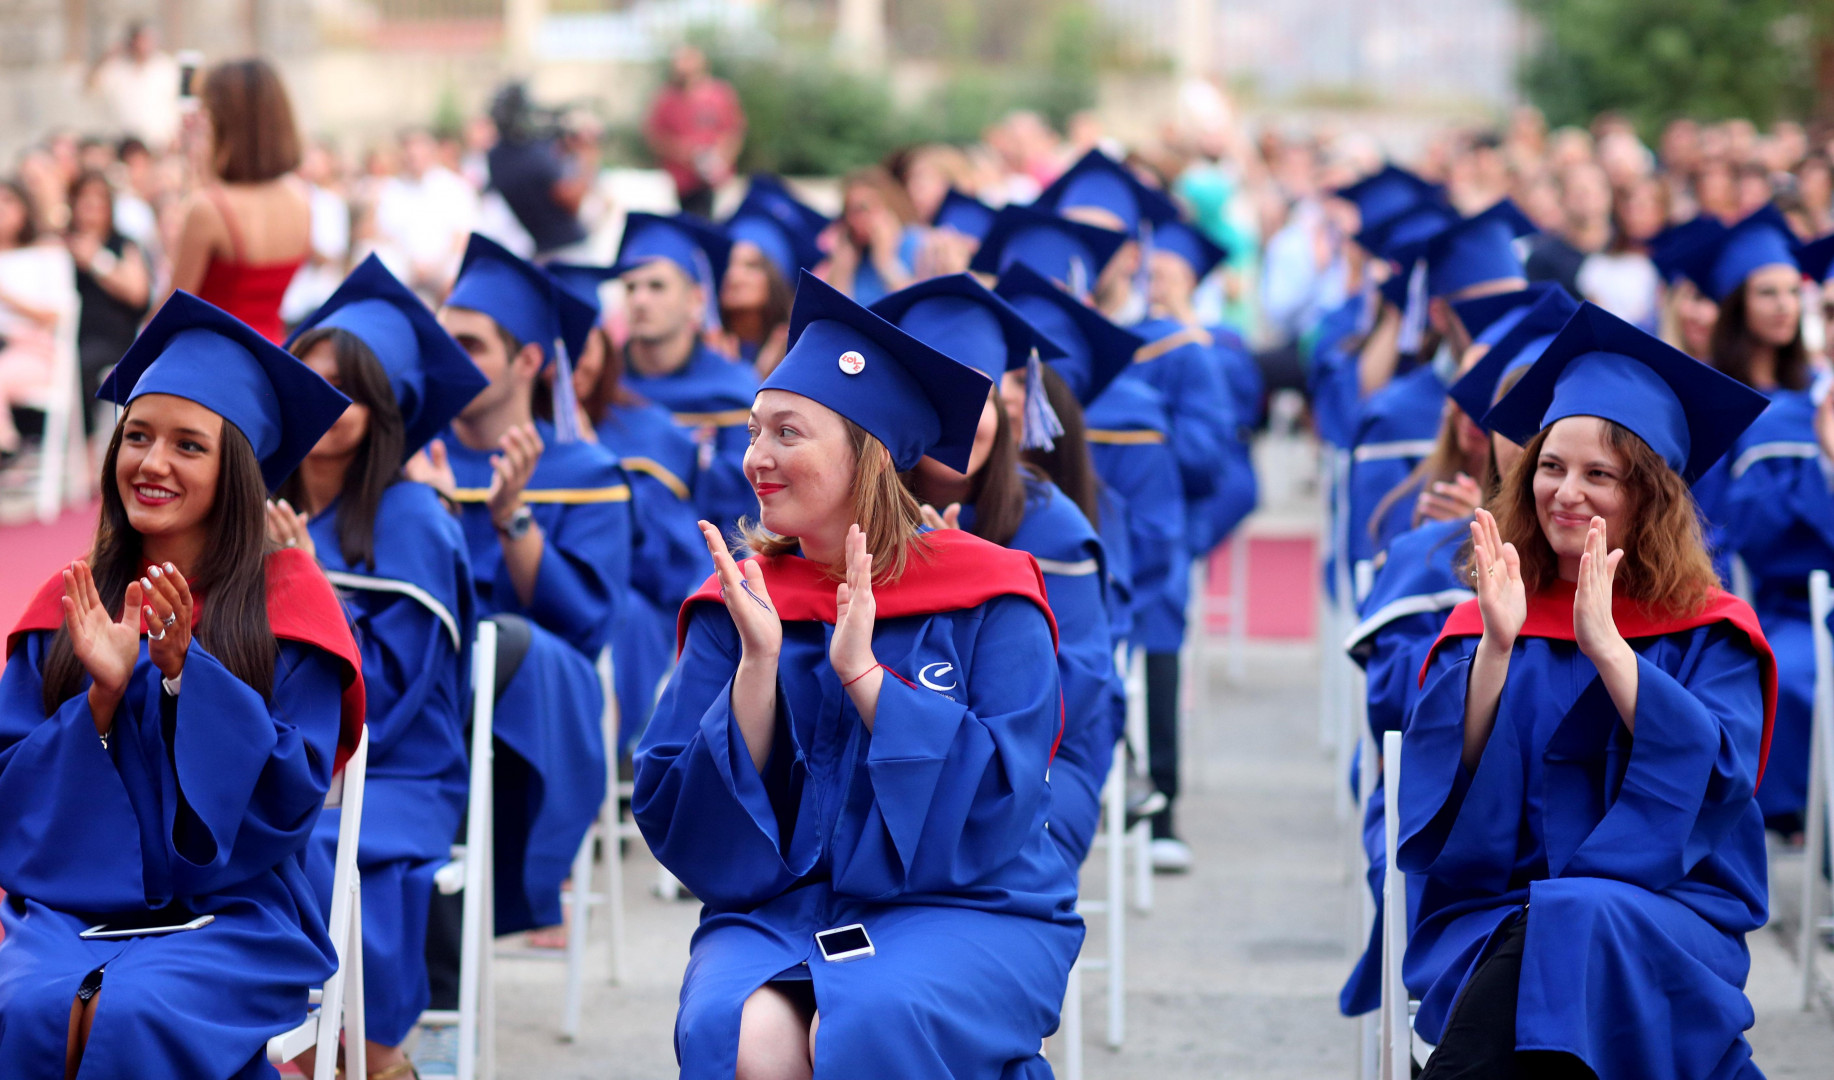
pixel 519 524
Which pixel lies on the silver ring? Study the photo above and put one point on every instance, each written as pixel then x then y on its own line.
pixel 170 619
pixel 161 636
pixel 291 542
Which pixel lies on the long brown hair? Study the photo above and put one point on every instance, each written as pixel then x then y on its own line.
pixel 1733 343
pixel 998 490
pixel 610 389
pixel 1666 568
pixel 251 121
pixel 233 571
pixel 882 507
pixel 377 463
pixel 1067 463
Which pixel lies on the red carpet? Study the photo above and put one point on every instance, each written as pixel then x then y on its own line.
pixel 1282 588
pixel 29 553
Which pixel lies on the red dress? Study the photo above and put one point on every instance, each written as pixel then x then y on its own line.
pixel 250 291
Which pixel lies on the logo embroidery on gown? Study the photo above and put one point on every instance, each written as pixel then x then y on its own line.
pixel 930 674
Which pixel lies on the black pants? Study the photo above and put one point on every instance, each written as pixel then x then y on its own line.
pixel 1162 733
pixel 1480 1036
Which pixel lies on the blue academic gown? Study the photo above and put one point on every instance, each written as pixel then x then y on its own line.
pixel 205 801
pixel 1178 362
pixel 1074 562
pixel 1417 585
pixel 1331 380
pixel 414 619
pixel 1779 517
pixel 710 393
pixel 669 556
pixel 1127 428
pixel 931 831
pixel 1640 862
pixel 1395 430
pixel 550 717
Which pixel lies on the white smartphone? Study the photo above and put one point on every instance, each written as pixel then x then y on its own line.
pixel 844 943
pixel 114 930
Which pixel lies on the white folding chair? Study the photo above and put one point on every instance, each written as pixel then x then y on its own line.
pixel 1816 917
pixel 63 464
pixel 1139 838
pixel 471 870
pixel 581 898
pixel 1113 838
pixel 1397 1047
pixel 1361 914
pixel 340 1000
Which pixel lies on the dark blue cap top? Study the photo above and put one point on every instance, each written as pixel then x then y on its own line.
pixel 1488 318
pixel 1599 365
pixel 432 377
pixel 780 225
pixel 581 280
pixel 1470 251
pixel 1531 330
pixel 1817 256
pixel 1671 248
pixel 1103 183
pixel 1096 351
pixel 1406 229
pixel 521 298
pixel 966 215
pixel 1197 250
pixel 915 400
pixel 1387 194
pixel 1067 252
pixel 202 353
pixel 699 248
pixel 1718 262
pixel 958 317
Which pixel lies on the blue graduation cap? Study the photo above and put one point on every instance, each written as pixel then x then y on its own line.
pixel 1406 229
pixel 907 395
pixel 1599 365
pixel 1101 182
pixel 1387 194
pixel 1532 328
pixel 1669 248
pixel 1817 257
pixel 1196 249
pixel 1096 351
pixel 431 375
pixel 521 298
pixel 1067 252
pixel 202 353
pixel 700 249
pixel 966 215
pixel 581 280
pixel 1488 318
pixel 1718 262
pixel 958 317
pixel 780 225
pixel 1470 251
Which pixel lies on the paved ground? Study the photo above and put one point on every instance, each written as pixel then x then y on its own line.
pixel 1235 972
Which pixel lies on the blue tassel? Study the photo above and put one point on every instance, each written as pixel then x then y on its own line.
pixel 1041 425
pixel 566 404
pixel 1144 273
pixel 1413 318
pixel 1372 303
pixel 704 271
pixel 1079 279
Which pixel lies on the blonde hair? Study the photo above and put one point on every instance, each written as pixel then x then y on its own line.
pixel 889 514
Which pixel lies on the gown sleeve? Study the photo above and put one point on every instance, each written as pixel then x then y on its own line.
pixel 953 790
pixel 1646 809
pixel 1094 708
pixel 585 563
pixel 712 818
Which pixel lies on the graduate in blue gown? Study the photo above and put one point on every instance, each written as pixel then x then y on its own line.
pixel 1578 773
pixel 774 236
pixel 1770 504
pixel 547 524
pixel 858 732
pixel 667 555
pixel 1463 259
pixel 172 712
pixel 671 268
pixel 1001 500
pixel 399 559
pixel 1418 582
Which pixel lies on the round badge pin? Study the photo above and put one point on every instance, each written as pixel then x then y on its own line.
pixel 852 362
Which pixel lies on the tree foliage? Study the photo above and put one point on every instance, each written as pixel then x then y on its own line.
pixel 1658 59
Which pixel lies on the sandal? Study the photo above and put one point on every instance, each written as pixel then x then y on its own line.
pixel 400 1070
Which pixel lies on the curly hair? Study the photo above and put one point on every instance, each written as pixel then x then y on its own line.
pixel 1666 568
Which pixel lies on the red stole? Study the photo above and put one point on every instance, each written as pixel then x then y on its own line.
pixel 958 571
pixel 301 606
pixel 1550 615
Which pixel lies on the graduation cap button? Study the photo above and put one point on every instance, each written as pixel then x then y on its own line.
pixel 852 362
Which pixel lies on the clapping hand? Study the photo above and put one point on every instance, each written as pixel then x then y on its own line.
pixel 1497 581
pixel 106 646
pixel 950 518
pixel 431 467
pixel 1593 626
pixel 747 600
pixel 850 650
pixel 511 469
pixel 1450 500
pixel 168 618
pixel 287 527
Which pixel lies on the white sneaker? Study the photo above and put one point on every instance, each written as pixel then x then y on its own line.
pixel 1171 855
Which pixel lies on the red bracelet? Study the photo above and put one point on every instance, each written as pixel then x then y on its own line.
pixel 861 675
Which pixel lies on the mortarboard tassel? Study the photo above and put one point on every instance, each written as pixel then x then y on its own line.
pixel 704 270
pixel 1413 318
pixel 1372 303
pixel 1079 279
pixel 1041 427
pixel 1144 272
pixel 566 403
